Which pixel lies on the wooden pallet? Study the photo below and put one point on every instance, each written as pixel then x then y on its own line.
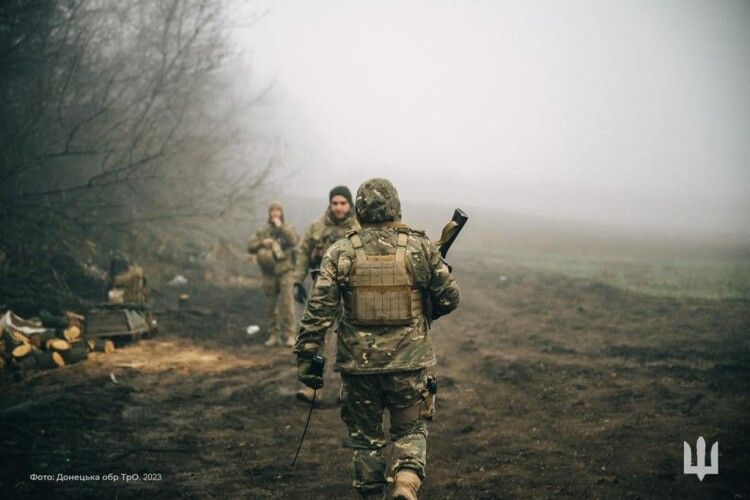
pixel 112 322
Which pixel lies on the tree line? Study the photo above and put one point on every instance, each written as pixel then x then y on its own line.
pixel 113 123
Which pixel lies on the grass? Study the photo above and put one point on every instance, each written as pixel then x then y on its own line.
pixel 706 279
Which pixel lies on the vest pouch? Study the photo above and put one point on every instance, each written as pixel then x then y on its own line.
pixel 266 260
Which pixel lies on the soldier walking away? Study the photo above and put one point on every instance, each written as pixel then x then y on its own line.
pixel 274 246
pixel 330 227
pixel 393 284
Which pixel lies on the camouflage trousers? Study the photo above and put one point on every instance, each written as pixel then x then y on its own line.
pixel 282 318
pixel 363 401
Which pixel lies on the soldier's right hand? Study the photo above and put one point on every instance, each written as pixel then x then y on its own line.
pixel 304 375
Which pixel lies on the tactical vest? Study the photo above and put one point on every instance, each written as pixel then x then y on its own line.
pixel 382 287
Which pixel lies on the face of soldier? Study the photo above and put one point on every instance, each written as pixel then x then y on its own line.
pixel 275 215
pixel 340 207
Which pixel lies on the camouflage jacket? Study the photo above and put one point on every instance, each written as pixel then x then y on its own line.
pixel 321 234
pixel 133 282
pixel 285 236
pixel 377 349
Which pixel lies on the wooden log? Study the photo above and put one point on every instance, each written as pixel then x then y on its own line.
pixel 21 351
pixel 40 339
pixel 34 340
pixel 19 337
pixel 103 345
pixel 13 339
pixel 74 315
pixel 21 366
pixel 79 344
pixel 77 353
pixel 72 333
pixel 57 345
pixel 74 319
pixel 46 360
pixel 27 362
pixel 54 322
pixel 9 343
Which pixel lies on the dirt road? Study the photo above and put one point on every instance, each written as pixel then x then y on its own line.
pixel 549 388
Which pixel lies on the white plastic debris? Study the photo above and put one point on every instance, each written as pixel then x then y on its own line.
pixel 178 280
pixel 252 329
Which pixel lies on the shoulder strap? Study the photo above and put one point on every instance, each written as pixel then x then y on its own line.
pixel 401 246
pixel 357 244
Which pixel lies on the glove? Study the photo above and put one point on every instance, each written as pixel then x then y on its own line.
pixel 300 295
pixel 305 375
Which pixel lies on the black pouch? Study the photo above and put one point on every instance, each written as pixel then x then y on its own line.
pixel 429 395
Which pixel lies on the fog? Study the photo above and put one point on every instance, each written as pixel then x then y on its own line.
pixel 607 112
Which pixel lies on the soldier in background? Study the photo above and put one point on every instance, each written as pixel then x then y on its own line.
pixel 330 227
pixel 393 284
pixel 127 282
pixel 274 246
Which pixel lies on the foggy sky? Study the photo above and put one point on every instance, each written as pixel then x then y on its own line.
pixel 616 112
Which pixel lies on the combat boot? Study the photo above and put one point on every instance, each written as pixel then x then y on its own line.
pixel 406 484
pixel 272 340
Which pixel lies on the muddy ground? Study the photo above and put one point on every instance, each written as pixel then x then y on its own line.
pixel 549 388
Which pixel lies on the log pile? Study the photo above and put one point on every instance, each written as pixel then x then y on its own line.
pixel 49 343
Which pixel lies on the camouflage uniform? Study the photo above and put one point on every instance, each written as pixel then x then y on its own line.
pixel 133 283
pixel 321 234
pixel 382 365
pixel 277 274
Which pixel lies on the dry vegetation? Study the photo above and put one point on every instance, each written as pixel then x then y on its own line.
pixel 114 138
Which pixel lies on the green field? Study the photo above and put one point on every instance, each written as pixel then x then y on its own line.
pixel 708 278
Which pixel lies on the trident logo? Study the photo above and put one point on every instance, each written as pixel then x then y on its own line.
pixel 700 469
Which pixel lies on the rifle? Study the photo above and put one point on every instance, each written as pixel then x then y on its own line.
pixel 448 236
pixel 451 231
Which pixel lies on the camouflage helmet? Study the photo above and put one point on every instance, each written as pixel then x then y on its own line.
pixel 377 201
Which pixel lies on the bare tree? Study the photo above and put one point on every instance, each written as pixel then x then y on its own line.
pixel 107 123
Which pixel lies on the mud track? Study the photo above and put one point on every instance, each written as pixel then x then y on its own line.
pixel 549 388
